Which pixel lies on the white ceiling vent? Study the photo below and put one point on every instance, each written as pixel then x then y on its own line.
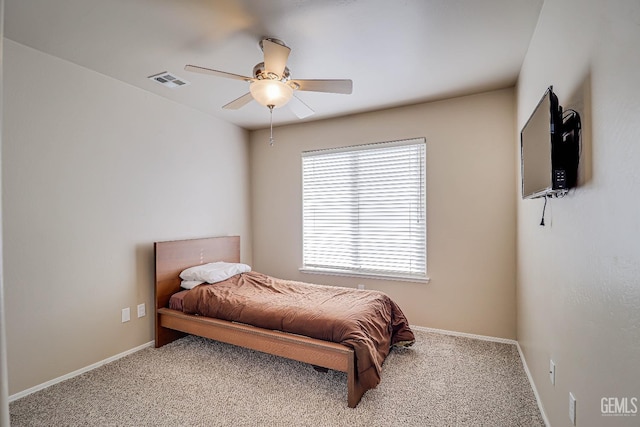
pixel 169 80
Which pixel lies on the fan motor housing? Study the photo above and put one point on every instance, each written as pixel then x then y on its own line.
pixel 260 73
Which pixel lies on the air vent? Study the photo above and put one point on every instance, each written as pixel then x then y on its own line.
pixel 169 80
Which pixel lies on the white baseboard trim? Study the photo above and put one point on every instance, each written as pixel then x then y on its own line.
pixel 78 372
pixel 533 386
pixel 465 335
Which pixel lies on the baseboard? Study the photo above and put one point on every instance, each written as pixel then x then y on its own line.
pixel 465 335
pixel 78 372
pixel 533 386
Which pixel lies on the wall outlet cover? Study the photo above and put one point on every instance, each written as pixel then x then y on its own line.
pixel 572 408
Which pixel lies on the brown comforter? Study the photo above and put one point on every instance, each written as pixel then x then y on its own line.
pixel 367 321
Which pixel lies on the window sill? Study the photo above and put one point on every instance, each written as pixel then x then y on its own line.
pixel 345 273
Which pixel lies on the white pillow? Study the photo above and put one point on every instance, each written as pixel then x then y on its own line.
pixel 190 284
pixel 214 272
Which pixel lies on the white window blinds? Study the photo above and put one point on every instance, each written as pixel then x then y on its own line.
pixel 364 209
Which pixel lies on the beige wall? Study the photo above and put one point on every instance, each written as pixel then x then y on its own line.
pixel 93 172
pixel 579 277
pixel 470 206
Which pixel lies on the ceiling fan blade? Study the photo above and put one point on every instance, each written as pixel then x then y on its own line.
pixel 275 56
pixel 202 70
pixel 299 108
pixel 331 86
pixel 239 102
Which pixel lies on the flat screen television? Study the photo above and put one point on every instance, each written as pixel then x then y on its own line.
pixel 549 158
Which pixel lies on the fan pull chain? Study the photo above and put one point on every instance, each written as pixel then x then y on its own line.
pixel 271 125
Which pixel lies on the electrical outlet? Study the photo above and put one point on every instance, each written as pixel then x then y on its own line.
pixel 572 408
pixel 126 315
pixel 141 310
pixel 552 372
pixel 361 286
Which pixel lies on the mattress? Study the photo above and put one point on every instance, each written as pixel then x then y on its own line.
pixel 175 302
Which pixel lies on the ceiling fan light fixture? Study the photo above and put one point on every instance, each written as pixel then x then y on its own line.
pixel 271 84
pixel 271 92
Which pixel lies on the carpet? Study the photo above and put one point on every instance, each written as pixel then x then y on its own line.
pixel 440 381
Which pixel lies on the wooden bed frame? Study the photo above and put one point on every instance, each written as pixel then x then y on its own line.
pixel 174 256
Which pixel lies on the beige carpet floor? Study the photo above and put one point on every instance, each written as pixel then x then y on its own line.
pixel 441 381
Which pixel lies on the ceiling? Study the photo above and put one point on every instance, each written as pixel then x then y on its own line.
pixel 397 52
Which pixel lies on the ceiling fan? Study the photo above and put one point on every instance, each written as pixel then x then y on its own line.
pixel 271 84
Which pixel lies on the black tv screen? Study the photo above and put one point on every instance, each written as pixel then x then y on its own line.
pixel 540 136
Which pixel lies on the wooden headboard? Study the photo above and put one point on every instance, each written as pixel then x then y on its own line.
pixel 174 256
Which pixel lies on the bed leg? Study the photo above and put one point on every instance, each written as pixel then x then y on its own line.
pixel 165 335
pixel 355 390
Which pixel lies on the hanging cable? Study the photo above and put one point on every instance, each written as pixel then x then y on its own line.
pixel 271 125
pixel 544 209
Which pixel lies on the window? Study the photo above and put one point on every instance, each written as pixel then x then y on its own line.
pixel 364 210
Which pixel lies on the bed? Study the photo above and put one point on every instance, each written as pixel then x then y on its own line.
pixel 174 256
